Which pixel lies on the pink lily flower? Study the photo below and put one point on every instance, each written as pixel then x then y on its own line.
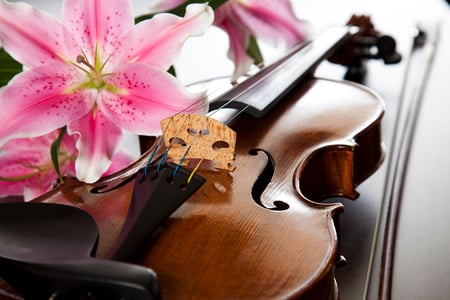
pixel 27 168
pixel 95 72
pixel 273 22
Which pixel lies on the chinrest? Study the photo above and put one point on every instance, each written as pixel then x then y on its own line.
pixel 46 251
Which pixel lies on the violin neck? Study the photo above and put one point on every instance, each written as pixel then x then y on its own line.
pixel 260 92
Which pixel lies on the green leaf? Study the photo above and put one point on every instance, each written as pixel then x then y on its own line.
pixel 254 52
pixel 54 150
pixel 9 67
pixel 181 9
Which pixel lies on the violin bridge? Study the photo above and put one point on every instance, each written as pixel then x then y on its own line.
pixel 191 136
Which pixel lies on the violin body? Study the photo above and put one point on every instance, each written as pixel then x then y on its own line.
pixel 260 230
pixel 321 141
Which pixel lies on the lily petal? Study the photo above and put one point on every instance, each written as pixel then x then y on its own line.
pixel 31 36
pixel 119 162
pixel 96 23
pixel 29 190
pixel 238 39
pixel 98 141
pixel 271 21
pixel 158 41
pixel 35 102
pixel 17 160
pixel 164 5
pixel 145 98
pixel 29 159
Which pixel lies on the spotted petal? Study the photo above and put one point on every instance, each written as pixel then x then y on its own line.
pixel 36 102
pixel 31 36
pixel 145 100
pixel 98 24
pixel 27 168
pixel 17 160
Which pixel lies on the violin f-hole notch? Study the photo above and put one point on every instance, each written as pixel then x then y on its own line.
pixel 194 137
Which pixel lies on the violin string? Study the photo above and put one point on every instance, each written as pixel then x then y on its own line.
pixel 152 155
pixel 150 159
pixel 201 101
pixel 222 107
pixel 193 171
pixel 181 161
pixel 197 133
pixel 198 104
pixel 163 158
pixel 188 149
pixel 237 114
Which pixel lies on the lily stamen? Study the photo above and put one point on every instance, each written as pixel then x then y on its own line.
pixel 104 64
pixel 83 60
pixel 80 60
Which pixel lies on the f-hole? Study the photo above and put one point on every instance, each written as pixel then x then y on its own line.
pixel 263 181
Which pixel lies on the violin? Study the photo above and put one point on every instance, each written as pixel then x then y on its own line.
pixel 228 205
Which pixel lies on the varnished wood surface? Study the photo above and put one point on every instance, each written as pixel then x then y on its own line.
pixel 222 245
pixel 323 140
pixel 356 239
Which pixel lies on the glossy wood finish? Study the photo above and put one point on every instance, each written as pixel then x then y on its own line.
pixel 323 139
pixel 258 232
pixel 221 244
